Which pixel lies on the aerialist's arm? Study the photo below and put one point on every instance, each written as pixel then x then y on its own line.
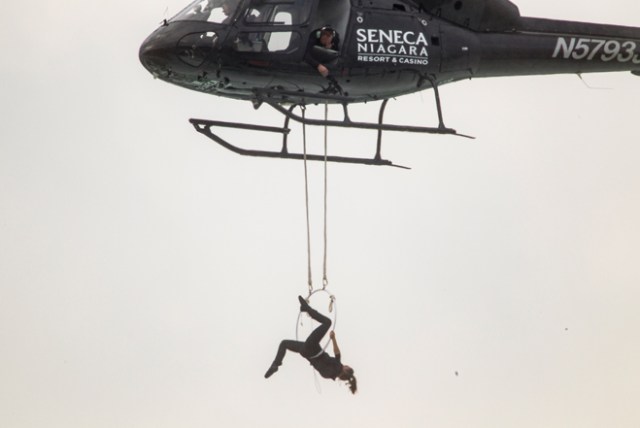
pixel 336 350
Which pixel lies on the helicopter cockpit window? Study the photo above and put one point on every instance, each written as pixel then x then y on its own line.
pixel 218 11
pixel 194 48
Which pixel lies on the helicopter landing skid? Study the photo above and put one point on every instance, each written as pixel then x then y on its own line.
pixel 205 127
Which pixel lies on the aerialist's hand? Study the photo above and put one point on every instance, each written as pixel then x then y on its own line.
pixel 336 350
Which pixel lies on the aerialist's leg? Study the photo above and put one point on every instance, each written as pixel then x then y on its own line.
pixel 285 345
pixel 313 341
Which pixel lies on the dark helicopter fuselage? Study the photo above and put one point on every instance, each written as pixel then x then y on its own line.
pixel 387 47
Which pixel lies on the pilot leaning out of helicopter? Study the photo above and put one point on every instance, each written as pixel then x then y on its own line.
pixel 326 37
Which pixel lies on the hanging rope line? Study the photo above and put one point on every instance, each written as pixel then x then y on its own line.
pixel 332 308
pixel 306 198
pixel 325 280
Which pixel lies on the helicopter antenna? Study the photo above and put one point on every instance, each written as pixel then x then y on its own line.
pixel 592 87
pixel 164 21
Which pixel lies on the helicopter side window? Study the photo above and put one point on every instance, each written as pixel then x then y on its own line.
pixel 267 41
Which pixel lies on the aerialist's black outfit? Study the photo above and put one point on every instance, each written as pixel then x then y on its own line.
pixel 328 367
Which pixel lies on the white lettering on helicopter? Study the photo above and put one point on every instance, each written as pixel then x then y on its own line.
pixel 590 49
pixel 373 35
pixel 391 59
pixel 395 46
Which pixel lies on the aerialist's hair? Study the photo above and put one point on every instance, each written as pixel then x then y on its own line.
pixel 353 384
pixel 351 380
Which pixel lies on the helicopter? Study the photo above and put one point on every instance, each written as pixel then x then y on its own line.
pixel 260 51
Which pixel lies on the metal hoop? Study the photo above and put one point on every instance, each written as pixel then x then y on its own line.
pixel 333 308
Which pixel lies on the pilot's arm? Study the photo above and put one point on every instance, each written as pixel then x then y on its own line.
pixel 309 59
pixel 308 56
pixel 324 71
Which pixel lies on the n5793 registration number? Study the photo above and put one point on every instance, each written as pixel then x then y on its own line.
pixel 598 49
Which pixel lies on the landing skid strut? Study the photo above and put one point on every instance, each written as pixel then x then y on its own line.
pixel 205 127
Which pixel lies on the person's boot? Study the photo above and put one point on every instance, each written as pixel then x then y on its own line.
pixel 272 370
pixel 304 306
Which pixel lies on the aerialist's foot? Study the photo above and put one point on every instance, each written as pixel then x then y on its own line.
pixel 304 306
pixel 271 371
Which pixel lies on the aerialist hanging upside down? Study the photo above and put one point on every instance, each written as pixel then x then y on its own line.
pixel 328 367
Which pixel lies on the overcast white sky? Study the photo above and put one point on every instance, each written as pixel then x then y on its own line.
pixel 147 275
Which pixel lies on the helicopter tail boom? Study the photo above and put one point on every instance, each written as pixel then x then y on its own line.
pixel 544 46
pixel 551 26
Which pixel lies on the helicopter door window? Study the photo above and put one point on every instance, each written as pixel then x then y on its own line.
pixel 334 13
pixel 267 41
pixel 280 41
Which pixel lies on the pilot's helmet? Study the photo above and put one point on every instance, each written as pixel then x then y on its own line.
pixel 328 29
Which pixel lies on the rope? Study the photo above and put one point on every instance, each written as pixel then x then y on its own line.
pixel 306 197
pixel 325 281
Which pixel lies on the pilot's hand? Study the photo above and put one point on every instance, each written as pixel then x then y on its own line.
pixel 324 71
pixel 332 334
